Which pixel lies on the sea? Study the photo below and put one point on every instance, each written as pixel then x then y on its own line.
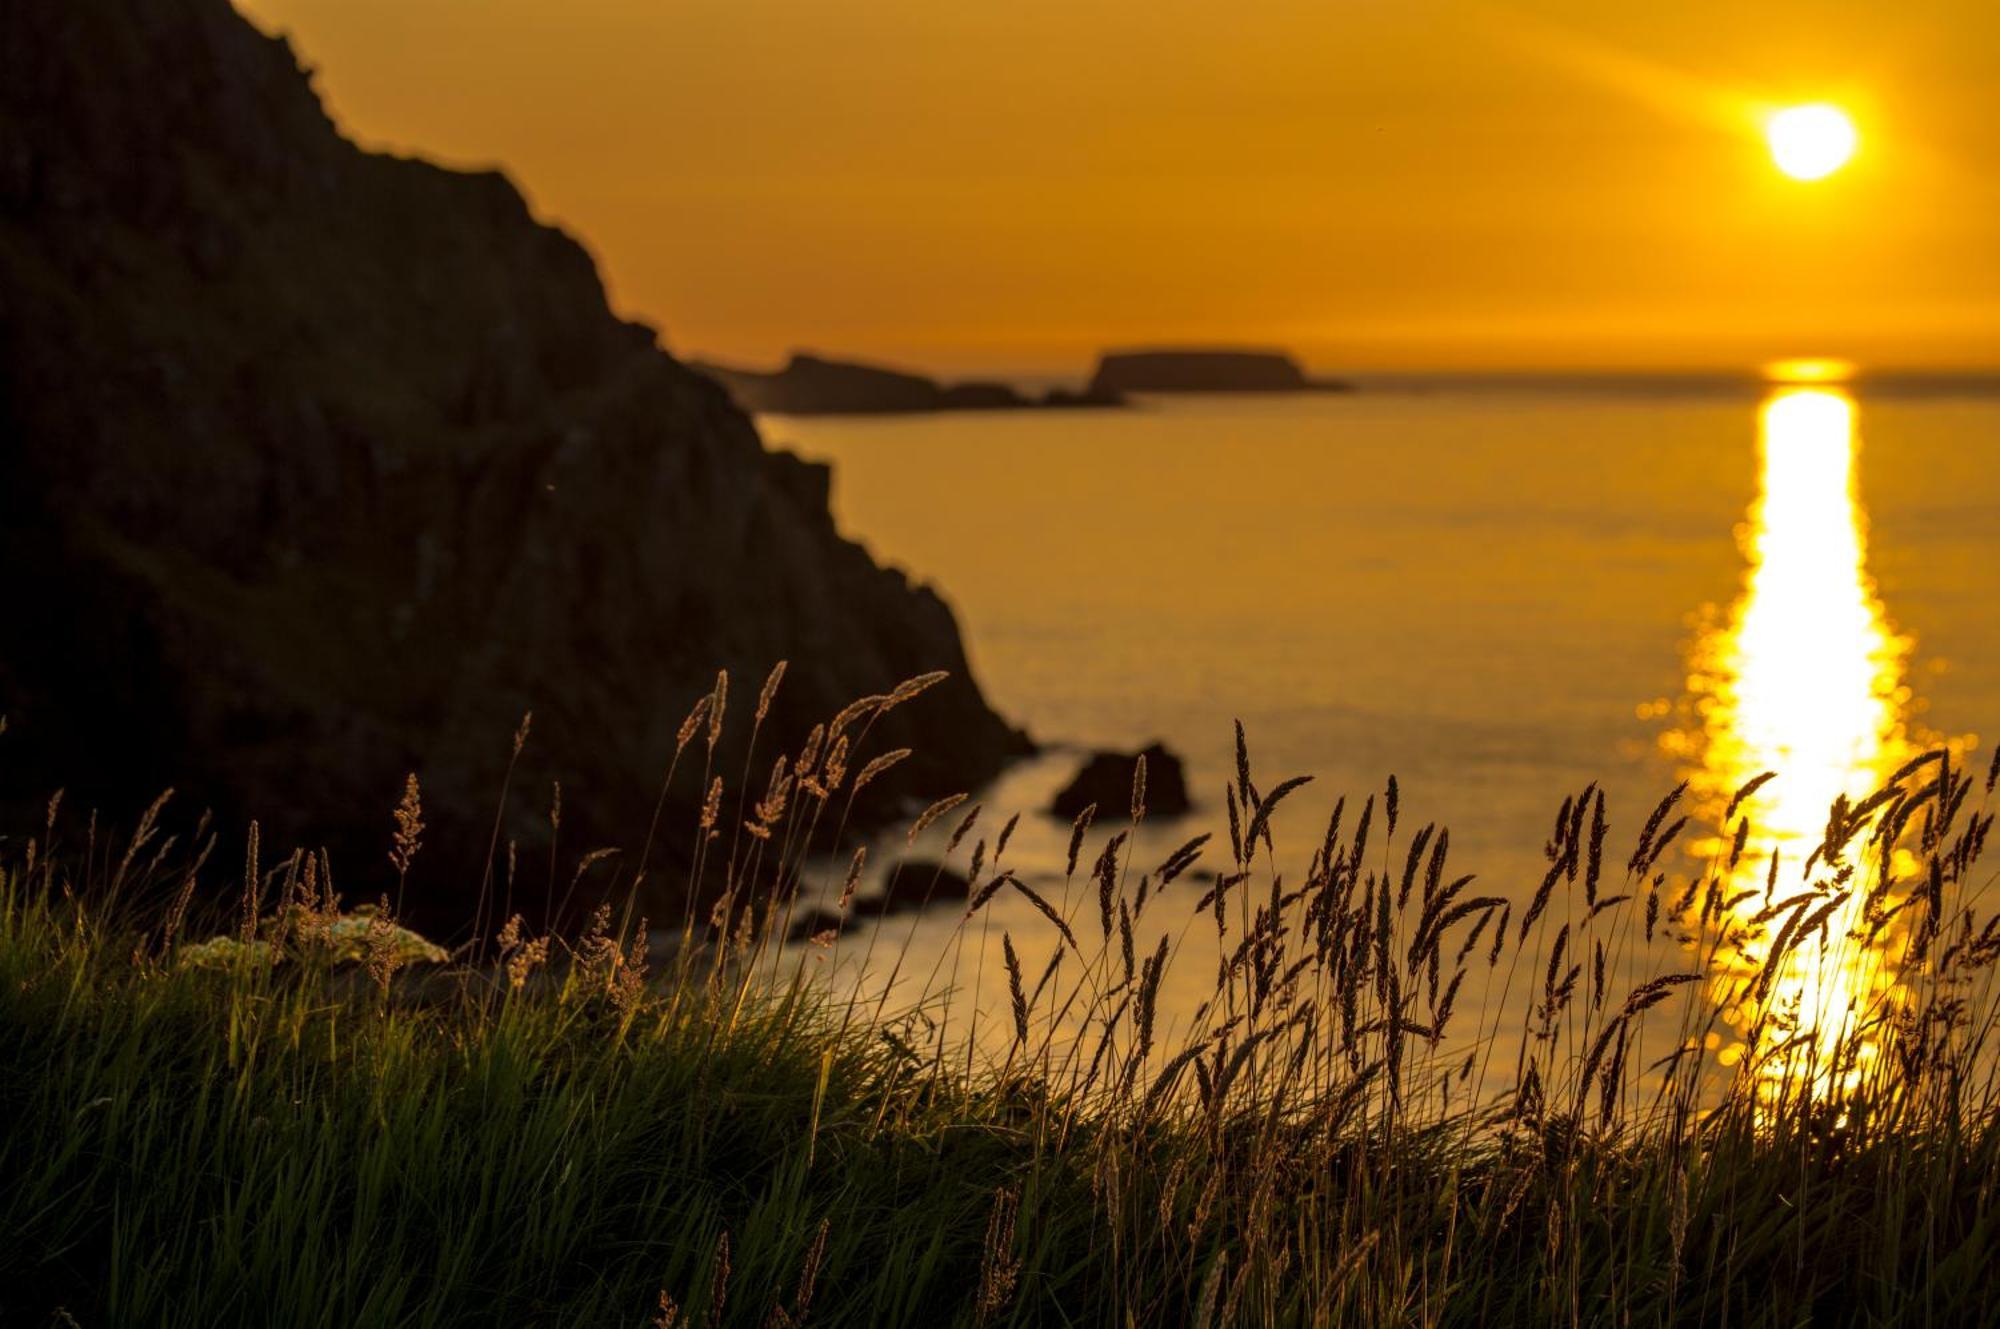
pixel 1499 593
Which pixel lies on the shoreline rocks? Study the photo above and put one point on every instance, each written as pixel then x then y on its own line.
pixel 912 884
pixel 1106 778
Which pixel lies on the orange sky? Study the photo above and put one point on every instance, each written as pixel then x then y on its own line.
pixel 960 184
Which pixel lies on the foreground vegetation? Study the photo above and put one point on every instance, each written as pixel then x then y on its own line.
pixel 279 1112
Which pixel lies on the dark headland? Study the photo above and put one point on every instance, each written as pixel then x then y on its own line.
pixel 1197 370
pixel 320 466
pixel 813 385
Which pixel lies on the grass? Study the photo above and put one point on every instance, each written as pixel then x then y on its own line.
pixel 306 1124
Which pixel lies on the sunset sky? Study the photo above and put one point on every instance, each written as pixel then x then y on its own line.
pixel 1374 183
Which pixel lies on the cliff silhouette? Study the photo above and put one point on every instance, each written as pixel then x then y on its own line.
pixel 318 466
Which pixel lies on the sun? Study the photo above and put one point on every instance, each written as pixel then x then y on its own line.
pixel 1810 142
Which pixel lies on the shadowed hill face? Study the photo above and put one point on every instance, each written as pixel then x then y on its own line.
pixel 319 466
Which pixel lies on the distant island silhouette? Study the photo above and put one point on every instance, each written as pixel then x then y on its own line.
pixel 1190 369
pixel 814 385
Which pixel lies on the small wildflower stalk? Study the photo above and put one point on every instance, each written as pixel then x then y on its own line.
pixel 409 835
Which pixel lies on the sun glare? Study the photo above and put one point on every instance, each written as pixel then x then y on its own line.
pixel 1810 142
pixel 1810 370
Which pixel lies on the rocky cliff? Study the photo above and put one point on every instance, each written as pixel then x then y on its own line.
pixel 317 466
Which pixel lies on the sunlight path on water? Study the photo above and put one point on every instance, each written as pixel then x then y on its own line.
pixel 1805 679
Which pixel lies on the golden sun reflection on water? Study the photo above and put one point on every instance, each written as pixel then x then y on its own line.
pixel 1804 679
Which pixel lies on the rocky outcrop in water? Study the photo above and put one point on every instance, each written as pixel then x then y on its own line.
pixel 1105 781
pixel 318 466
pixel 909 885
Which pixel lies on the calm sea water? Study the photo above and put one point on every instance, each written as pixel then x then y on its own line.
pixel 1495 595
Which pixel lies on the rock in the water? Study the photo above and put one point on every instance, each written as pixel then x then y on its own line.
pixel 318 466
pixel 1106 780
pixel 914 883
pixel 810 923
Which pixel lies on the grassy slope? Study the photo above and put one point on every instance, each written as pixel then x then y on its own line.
pixel 211 1148
pixel 321 1143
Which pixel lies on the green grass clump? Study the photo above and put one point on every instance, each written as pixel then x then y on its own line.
pixel 547 1131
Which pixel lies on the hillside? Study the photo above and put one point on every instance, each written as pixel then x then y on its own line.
pixel 318 466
